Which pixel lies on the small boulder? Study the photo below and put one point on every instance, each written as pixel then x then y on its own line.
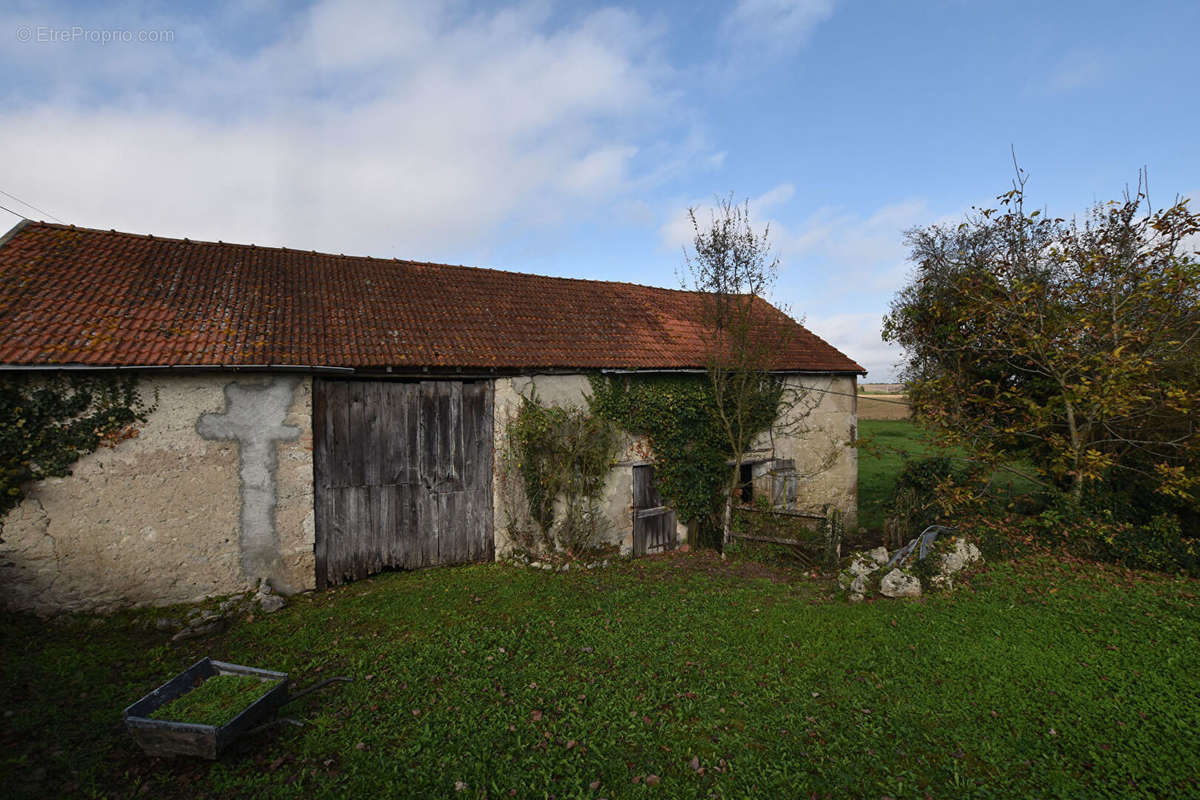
pixel 898 583
pixel 270 603
pixel 857 577
pixel 861 567
pixel 267 600
pixel 962 556
pixel 879 555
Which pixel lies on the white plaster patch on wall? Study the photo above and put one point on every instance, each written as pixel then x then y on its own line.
pixel 255 417
pixel 295 521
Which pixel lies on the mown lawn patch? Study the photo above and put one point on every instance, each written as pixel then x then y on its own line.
pixel 675 677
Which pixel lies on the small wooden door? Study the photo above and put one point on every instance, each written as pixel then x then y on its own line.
pixel 653 523
pixel 402 475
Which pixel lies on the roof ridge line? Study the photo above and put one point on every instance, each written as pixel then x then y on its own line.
pixel 375 259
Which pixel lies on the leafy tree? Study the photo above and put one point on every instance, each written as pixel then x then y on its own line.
pixel 1072 344
pixel 733 267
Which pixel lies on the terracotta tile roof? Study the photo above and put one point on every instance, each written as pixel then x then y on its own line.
pixel 104 298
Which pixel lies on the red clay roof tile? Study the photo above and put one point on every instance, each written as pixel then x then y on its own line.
pixel 104 298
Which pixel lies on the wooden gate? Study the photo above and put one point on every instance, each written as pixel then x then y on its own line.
pixel 402 475
pixel 653 523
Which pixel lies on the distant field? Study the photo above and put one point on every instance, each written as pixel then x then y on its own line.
pixel 882 406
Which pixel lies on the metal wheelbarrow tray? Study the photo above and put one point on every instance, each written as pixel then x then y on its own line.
pixel 162 737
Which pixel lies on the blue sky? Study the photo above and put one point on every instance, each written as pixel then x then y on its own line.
pixel 570 138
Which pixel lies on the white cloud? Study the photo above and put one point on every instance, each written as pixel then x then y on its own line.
pixel 775 24
pixel 857 335
pixel 603 169
pixel 1077 69
pixel 677 232
pixel 860 254
pixel 774 197
pixel 404 129
pixel 834 264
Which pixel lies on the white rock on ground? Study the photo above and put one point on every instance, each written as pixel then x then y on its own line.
pixel 898 583
pixel 271 603
pixel 962 556
pixel 861 567
pixel 879 555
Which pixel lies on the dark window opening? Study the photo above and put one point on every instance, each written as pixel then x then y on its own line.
pixel 746 479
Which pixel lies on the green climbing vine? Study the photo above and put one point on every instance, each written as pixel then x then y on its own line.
pixel 678 416
pixel 563 456
pixel 48 423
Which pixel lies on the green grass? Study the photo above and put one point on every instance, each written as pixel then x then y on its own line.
pixel 1040 679
pixel 893 442
pixel 216 701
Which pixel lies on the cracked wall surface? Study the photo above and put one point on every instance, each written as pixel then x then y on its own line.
pixel 160 518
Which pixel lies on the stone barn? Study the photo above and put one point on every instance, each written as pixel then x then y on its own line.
pixel 317 418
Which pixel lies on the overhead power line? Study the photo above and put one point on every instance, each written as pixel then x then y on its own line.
pixel 28 205
pixel 860 396
pixel 14 213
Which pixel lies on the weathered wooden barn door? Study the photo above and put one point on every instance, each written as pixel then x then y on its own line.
pixel 402 475
pixel 653 523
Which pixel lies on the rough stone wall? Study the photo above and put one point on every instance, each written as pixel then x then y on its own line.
pixel 560 390
pixel 161 518
pixel 815 432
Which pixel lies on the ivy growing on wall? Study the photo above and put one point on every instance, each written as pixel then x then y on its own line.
pixel 563 455
pixel 48 423
pixel 678 416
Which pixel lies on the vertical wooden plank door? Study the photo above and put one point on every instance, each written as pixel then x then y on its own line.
pixel 653 523
pixel 402 475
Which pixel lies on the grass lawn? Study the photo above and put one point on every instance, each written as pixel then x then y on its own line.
pixel 1040 679
pixel 893 443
